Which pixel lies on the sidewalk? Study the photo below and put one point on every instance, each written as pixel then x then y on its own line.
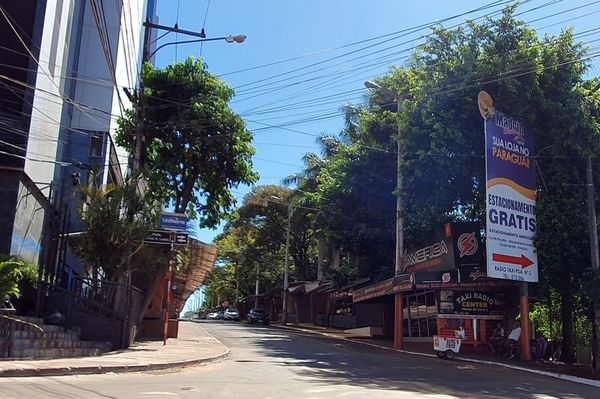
pixel 194 346
pixel 574 373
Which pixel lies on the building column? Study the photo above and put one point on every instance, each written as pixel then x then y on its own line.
pixel 398 325
pixel 525 325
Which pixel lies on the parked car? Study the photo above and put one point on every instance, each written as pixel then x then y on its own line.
pixel 212 316
pixel 258 316
pixel 232 314
pixel 220 315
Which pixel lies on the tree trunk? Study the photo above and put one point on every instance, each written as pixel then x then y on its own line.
pixel 568 329
pixel 335 261
pixel 322 251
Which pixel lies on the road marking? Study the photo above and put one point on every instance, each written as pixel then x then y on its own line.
pixel 159 393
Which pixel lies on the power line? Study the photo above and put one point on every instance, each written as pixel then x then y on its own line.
pixel 204 25
pixel 489 5
pixel 366 64
pixel 37 61
pixel 105 43
pixel 406 32
pixel 460 79
pixel 304 91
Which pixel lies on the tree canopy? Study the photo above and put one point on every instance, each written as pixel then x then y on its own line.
pixel 196 149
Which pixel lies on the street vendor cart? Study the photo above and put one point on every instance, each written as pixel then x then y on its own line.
pixel 446 347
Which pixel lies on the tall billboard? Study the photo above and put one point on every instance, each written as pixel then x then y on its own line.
pixel 510 195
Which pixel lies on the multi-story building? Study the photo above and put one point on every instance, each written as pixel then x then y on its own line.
pixel 64 64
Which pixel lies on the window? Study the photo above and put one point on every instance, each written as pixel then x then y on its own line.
pixel 96 145
pixel 420 315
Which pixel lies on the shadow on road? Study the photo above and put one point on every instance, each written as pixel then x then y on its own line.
pixel 331 361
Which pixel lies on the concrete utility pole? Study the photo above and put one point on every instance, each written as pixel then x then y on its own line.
pixel 399 204
pixel 168 284
pixel 146 56
pixel 593 231
pixel 398 297
pixel 286 270
pixel 256 289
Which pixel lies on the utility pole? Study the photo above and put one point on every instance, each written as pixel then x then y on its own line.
pixel 256 289
pixel 398 297
pixel 237 283
pixel 168 291
pixel 286 270
pixel 146 55
pixel 593 231
pixel 399 205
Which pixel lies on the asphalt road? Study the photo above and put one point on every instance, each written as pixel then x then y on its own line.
pixel 269 362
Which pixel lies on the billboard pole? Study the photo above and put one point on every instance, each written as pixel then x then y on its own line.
pixel 525 325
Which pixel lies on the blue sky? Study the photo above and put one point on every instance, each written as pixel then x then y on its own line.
pixel 313 31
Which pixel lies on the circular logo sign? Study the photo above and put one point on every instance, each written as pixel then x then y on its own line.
pixel 467 244
pixel 486 105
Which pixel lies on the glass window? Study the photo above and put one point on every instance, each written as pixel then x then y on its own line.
pixel 96 145
pixel 420 315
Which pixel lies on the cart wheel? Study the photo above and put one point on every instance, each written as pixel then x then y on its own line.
pixel 440 354
pixel 449 354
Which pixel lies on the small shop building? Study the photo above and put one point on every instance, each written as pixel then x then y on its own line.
pixel 444 287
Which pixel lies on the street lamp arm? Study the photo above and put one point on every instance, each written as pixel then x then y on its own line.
pixel 228 39
pixel 374 86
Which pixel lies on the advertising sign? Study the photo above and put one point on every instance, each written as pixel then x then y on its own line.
pixel 385 287
pixel 457 246
pixel 173 221
pixel 468 303
pixel 473 303
pixel 510 196
pixel 466 278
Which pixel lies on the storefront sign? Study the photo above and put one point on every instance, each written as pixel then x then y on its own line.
pixel 385 287
pixel 451 276
pixel 473 303
pixel 510 196
pixel 470 303
pixel 457 246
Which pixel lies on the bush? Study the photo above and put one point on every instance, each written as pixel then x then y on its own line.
pixel 12 272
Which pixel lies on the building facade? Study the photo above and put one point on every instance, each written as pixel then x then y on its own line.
pixel 65 65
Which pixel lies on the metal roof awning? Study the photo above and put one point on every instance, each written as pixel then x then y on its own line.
pixel 355 283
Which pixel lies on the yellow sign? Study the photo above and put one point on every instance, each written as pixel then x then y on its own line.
pixel 486 105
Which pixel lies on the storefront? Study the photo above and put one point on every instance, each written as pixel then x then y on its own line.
pixel 444 287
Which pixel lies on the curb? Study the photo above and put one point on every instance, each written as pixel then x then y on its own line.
pixel 121 368
pixel 566 377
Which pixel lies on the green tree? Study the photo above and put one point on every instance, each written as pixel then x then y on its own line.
pixel 115 220
pixel 265 210
pixel 255 241
pixel 196 148
pixel 537 80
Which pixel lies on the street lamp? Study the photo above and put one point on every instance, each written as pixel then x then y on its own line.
pixel 286 270
pixel 399 208
pixel 228 39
